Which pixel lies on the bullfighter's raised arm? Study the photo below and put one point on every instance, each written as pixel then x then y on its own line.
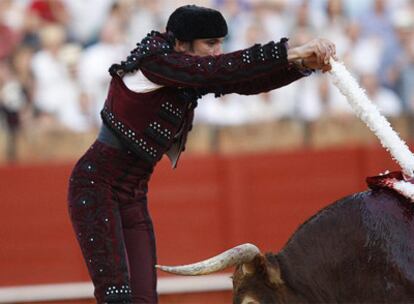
pixel 163 60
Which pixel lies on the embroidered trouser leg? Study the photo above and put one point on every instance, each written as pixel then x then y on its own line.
pixel 113 227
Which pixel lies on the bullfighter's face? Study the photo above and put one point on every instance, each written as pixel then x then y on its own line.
pixel 207 47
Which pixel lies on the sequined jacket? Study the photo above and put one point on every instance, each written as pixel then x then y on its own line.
pixel 157 122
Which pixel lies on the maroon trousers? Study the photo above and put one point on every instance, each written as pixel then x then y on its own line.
pixel 108 208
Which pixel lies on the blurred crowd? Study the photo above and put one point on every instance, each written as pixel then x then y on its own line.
pixel 55 55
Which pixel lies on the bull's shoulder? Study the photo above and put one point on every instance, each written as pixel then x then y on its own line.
pixel 389 221
pixel 367 236
pixel 359 211
pixel 360 217
pixel 342 213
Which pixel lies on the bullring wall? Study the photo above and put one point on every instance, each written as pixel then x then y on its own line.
pixel 208 204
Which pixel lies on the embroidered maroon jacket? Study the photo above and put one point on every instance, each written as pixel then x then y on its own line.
pixel 157 122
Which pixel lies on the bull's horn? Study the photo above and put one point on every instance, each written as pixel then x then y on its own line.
pixel 236 255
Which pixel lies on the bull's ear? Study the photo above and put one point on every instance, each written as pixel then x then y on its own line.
pixel 248 268
pixel 273 270
pixel 254 265
pixel 265 266
pixel 273 274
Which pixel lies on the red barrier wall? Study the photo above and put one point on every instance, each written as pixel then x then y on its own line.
pixel 208 204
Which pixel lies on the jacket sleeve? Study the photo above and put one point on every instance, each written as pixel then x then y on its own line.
pixel 249 71
pixel 271 81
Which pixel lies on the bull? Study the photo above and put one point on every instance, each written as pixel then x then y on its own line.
pixel 360 249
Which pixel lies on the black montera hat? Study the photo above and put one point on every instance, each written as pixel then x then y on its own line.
pixel 191 22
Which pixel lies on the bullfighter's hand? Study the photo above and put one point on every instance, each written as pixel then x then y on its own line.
pixel 312 62
pixel 314 54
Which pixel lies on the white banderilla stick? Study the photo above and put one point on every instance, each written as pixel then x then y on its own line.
pixel 370 114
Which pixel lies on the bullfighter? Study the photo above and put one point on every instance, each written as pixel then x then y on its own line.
pixel 148 113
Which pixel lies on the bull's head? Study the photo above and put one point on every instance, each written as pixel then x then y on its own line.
pixel 256 279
